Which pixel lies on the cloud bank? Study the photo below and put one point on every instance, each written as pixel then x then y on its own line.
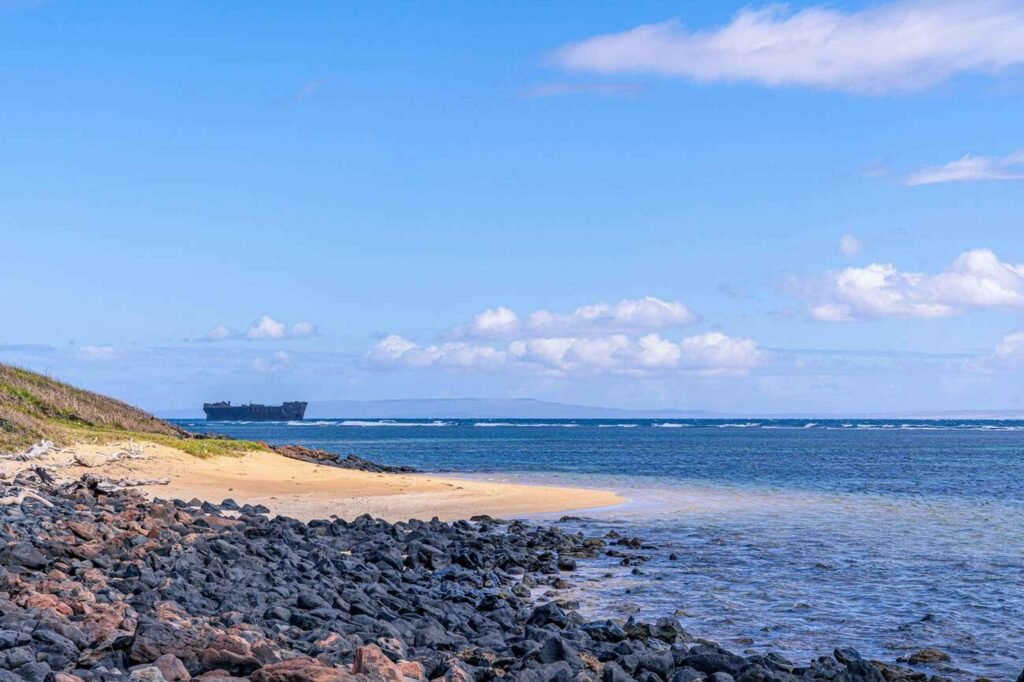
pixel 628 316
pixel 713 353
pixel 602 338
pixel 900 46
pixel 976 279
pixel 970 169
pixel 265 328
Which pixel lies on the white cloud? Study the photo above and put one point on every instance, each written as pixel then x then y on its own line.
pixel 301 330
pixel 495 321
pixel 897 46
pixel 220 333
pixel 971 169
pixel 626 316
pixel 712 353
pixel 1008 355
pixel 850 246
pixel 976 279
pixel 398 351
pixel 265 328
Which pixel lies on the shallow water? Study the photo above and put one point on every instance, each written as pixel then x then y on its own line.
pixel 887 536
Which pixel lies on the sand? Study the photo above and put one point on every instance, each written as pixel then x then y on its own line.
pixel 310 491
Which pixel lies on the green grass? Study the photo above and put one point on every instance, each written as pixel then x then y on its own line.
pixel 34 407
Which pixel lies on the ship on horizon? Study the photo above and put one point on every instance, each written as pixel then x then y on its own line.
pixel 225 411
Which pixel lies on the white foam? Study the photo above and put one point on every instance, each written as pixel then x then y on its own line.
pixel 391 422
pixel 524 425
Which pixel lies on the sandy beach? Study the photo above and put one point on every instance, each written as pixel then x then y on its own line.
pixel 309 491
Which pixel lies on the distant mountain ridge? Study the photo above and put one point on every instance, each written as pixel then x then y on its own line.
pixel 528 408
pixel 487 408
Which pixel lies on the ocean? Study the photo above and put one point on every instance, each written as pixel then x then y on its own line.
pixel 790 535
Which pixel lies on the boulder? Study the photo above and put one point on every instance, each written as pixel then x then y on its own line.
pixel 149 673
pixel 300 670
pixel 371 661
pixel 172 668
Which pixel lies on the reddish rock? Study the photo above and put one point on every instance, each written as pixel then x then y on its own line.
pixel 327 643
pixel 232 643
pixel 228 660
pixel 370 660
pixel 48 601
pixel 172 668
pixel 300 670
pixel 83 529
pixel 413 670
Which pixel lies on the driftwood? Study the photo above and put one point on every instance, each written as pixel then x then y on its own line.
pixel 97 459
pixel 25 495
pixel 132 482
pixel 40 449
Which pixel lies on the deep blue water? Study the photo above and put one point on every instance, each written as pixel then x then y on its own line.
pixel 887 536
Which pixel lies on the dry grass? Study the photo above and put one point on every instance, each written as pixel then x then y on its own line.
pixel 33 407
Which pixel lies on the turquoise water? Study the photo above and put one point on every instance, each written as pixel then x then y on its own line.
pixel 887 536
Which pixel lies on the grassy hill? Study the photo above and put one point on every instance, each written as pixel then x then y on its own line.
pixel 33 407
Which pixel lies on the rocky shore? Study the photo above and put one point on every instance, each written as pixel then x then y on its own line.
pixel 354 462
pixel 99 583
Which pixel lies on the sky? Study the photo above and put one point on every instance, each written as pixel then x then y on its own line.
pixel 715 205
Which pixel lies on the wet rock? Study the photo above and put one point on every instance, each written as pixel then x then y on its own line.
pixel 549 614
pixel 687 674
pixel 613 672
pixel 332 459
pixel 927 655
pixel 710 661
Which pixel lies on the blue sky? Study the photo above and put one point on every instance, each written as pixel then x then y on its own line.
pixel 322 200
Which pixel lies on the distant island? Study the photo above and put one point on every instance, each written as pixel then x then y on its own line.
pixel 527 408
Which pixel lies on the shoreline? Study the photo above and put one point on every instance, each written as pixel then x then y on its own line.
pixel 104 583
pixel 308 491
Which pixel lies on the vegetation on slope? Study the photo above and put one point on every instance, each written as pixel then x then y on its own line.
pixel 34 407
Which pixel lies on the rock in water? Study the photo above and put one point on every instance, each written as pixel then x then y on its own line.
pixel 927 655
pixel 333 460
